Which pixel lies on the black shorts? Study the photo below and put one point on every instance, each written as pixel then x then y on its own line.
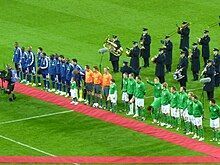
pixel 39 71
pixel 130 96
pixel 97 89
pixel 89 87
pixel 10 87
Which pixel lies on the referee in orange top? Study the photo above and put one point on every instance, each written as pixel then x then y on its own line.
pixel 88 83
pixel 106 79
pixel 97 80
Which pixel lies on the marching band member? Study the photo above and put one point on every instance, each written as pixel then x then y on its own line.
pixel 145 41
pixel 183 66
pixel 168 53
pixel 184 32
pixel 217 66
pixel 204 41
pixel 195 61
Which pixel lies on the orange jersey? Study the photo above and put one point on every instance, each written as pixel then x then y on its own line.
pixel 97 78
pixel 89 77
pixel 106 78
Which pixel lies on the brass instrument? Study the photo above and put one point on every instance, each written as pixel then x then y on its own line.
pixel 154 58
pixel 112 47
pixel 190 54
pixel 142 43
pixel 180 28
pixel 128 51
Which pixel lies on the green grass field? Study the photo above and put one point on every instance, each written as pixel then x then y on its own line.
pixel 77 29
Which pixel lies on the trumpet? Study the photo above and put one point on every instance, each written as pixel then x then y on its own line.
pixel 154 58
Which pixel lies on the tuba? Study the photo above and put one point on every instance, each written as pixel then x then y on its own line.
pixel 112 47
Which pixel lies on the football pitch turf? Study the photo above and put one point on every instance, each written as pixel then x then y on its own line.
pixel 77 29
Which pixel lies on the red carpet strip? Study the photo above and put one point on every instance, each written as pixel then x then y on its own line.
pixel 112 160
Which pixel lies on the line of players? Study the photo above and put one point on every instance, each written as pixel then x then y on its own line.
pixel 169 108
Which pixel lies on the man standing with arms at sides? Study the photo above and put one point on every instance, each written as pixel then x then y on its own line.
pixel 97 79
pixel 17 57
pixel 112 97
pixel 39 57
pixel 69 75
pixel 204 41
pixel 159 60
pixel 183 66
pixel 157 87
pixel 184 32
pixel 130 91
pixel 145 42
pixel 165 105
pixel 174 115
pixel 217 66
pixel 63 75
pixel 31 67
pixel 138 97
pixel 58 74
pixel 168 53
pixel 214 118
pixel 124 97
pixel 23 73
pixel 52 72
pixel 106 81
pixel 182 112
pixel 113 58
pixel 44 66
pixel 195 61
pixel 190 121
pixel 88 83
pixel 198 113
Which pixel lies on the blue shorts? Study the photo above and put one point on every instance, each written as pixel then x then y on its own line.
pixel 97 89
pixel 89 87
pixel 106 91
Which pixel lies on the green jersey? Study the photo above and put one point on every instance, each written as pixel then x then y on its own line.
pixel 157 88
pixel 156 103
pixel 112 88
pixel 174 100
pixel 73 85
pixel 182 100
pixel 124 84
pixel 131 86
pixel 214 111
pixel 190 106
pixel 197 109
pixel 140 90
pixel 165 97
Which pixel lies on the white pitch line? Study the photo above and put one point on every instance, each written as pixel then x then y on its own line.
pixel 34 117
pixel 27 146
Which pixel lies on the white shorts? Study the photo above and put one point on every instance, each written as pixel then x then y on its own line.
pixel 173 112
pixel 198 121
pixel 177 114
pixel 125 97
pixel 185 114
pixel 73 93
pixel 165 109
pixel 113 98
pixel 139 102
pixel 191 118
pixel 214 123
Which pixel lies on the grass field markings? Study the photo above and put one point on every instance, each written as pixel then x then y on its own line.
pixel 189 90
pixel 35 117
pixel 27 146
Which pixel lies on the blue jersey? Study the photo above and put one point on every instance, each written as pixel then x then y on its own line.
pixel 39 57
pixel 17 55
pixel 80 70
pixel 31 59
pixel 69 71
pixel 44 65
pixel 52 66
pixel 24 58
pixel 58 67
pixel 63 69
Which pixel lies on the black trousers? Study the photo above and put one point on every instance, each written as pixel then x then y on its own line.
pixel 168 67
pixel 146 61
pixel 210 94
pixel 161 79
pixel 182 82
pixel 115 66
pixel 205 59
pixel 217 80
pixel 195 75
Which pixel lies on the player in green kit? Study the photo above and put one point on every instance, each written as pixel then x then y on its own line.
pixel 124 97
pixel 130 91
pixel 112 97
pixel 140 91
pixel 156 105
pixel 165 105
pixel 214 110
pixel 73 92
pixel 190 118
pixel 198 112
pixel 182 108
pixel 174 113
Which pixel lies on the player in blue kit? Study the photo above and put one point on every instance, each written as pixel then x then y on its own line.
pixel 44 65
pixel 52 72
pixel 31 67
